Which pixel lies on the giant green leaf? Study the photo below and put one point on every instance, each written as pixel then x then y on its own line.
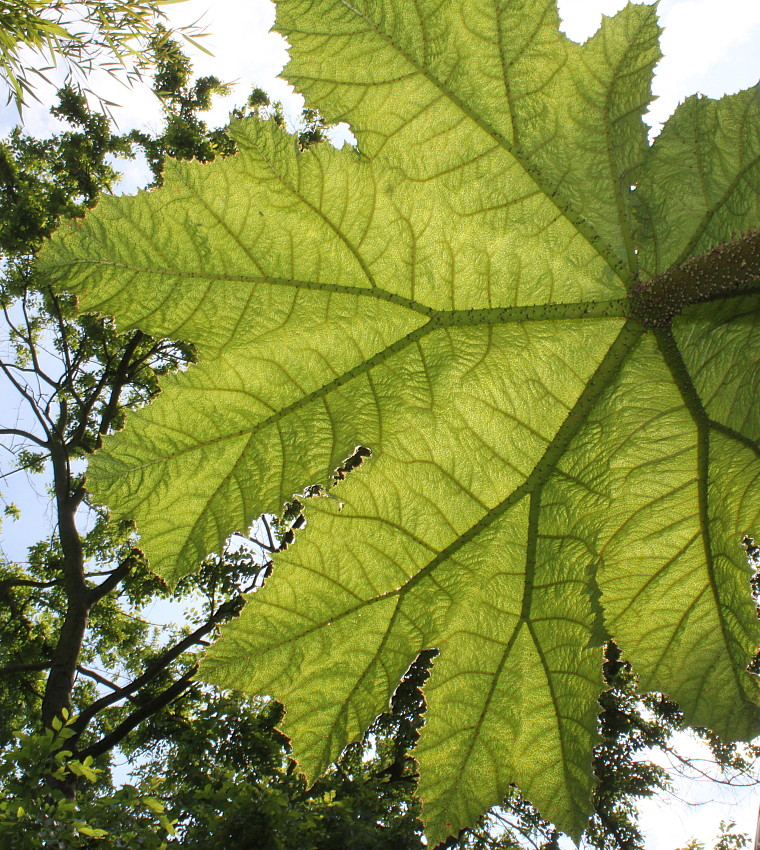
pixel 545 329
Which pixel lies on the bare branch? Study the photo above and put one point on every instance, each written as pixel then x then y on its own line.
pixel 29 340
pixel 272 547
pixel 14 471
pixel 146 710
pixel 228 609
pixel 31 371
pixel 85 408
pixel 123 371
pixel 100 679
pixel 10 669
pixel 251 539
pixel 17 432
pixel 23 391
pixel 61 330
pixel 691 763
pixel 78 358
pixel 114 577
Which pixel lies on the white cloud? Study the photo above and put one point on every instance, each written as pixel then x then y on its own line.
pixel 581 18
pixel 244 51
pixel 708 47
pixel 699 33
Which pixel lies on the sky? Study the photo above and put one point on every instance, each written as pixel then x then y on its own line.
pixel 710 46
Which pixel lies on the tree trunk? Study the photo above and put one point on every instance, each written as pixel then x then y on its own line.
pixel 60 682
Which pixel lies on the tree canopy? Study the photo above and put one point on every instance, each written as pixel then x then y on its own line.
pixel 541 327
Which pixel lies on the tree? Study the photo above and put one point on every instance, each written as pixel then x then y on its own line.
pixel 117 36
pixel 70 611
pixel 541 329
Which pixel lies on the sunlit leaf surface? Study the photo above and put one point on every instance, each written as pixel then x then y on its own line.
pixel 547 471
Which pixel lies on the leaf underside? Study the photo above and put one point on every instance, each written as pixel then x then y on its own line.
pixel 546 473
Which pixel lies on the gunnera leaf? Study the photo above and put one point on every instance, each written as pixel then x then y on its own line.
pixel 544 327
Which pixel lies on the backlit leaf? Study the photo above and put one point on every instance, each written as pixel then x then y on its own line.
pixel 542 326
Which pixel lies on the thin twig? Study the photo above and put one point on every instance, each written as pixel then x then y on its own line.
pixel 29 398
pixel 100 679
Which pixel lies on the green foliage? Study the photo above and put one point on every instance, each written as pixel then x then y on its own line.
pixel 541 329
pixel 77 376
pixel 728 839
pixel 82 376
pixel 35 811
pixel 42 180
pixel 224 755
pixel 118 36
pixel 186 135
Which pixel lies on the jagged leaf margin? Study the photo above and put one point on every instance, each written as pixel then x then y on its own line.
pixel 547 470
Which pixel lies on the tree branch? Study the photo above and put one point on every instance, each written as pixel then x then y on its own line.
pixel 10 669
pixel 147 710
pixel 114 577
pixel 229 608
pixel 71 636
pixel 23 391
pixel 120 378
pixel 29 340
pixel 7 583
pixel 85 409
pixel 100 679
pixel 18 432
pixel 61 329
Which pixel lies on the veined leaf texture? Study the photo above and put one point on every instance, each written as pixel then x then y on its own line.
pixel 544 326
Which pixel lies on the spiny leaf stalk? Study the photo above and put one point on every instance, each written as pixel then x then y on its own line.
pixel 727 270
